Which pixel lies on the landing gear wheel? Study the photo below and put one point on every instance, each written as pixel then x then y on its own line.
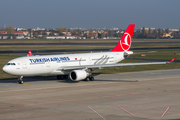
pixel 66 77
pixel 58 77
pixel 87 79
pixel 21 82
pixel 62 77
pixel 91 78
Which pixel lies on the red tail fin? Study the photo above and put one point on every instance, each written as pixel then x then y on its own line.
pixel 172 60
pixel 124 43
pixel 29 53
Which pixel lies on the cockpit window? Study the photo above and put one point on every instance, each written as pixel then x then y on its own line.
pixel 10 64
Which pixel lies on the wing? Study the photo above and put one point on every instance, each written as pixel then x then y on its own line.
pixel 64 68
pixel 144 52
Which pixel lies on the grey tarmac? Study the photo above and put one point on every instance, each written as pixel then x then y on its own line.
pixel 127 96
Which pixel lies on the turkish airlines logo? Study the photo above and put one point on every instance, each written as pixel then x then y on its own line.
pixel 125 42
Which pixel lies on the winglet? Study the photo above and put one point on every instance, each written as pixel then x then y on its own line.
pixel 172 60
pixel 29 53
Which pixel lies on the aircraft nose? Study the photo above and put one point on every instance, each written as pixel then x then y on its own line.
pixel 5 69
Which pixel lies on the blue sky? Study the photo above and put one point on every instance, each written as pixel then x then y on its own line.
pixel 90 13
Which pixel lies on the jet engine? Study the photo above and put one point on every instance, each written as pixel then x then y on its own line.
pixel 77 75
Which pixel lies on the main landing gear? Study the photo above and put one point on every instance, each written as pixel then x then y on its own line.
pixel 89 78
pixel 62 77
pixel 20 79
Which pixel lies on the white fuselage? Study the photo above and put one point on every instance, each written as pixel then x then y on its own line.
pixel 50 64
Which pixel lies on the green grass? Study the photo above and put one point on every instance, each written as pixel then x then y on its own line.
pixel 50 47
pixel 3 60
pixel 136 43
pixel 160 54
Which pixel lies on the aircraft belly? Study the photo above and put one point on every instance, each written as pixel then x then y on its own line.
pixel 59 72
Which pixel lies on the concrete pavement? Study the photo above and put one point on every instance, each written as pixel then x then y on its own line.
pixel 136 95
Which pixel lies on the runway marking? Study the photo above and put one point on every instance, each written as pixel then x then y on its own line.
pixel 142 109
pixel 126 111
pixel 6 85
pixel 97 113
pixel 26 84
pixel 77 100
pixel 165 112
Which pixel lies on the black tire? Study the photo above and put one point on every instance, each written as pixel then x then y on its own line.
pixel 66 77
pixel 58 77
pixel 91 78
pixel 21 82
pixel 61 77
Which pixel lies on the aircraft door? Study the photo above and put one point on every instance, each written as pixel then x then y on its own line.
pixel 47 64
pixel 90 61
pixel 83 61
pixel 24 65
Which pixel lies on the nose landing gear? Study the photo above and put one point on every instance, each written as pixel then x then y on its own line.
pixel 20 79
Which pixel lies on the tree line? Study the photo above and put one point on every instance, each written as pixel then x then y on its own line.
pixel 142 33
pixel 156 33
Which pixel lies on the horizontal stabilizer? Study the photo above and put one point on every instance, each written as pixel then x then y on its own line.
pixel 172 60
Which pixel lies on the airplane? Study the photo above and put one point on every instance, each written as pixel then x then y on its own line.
pixel 76 67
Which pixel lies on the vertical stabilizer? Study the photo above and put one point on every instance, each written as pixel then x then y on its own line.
pixel 29 53
pixel 124 43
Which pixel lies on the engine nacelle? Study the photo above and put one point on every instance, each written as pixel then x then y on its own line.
pixel 77 75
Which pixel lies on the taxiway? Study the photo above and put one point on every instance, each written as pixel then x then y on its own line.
pixel 134 95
